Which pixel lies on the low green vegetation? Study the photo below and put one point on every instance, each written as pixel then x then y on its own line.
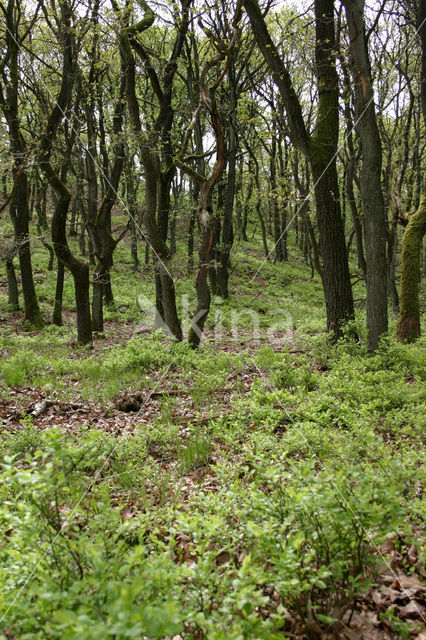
pixel 263 508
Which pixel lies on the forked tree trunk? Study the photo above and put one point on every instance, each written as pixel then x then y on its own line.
pixel 205 213
pixel 78 268
pixel 149 157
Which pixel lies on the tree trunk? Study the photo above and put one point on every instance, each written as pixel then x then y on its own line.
pixel 156 221
pixel 356 219
pixel 82 235
pixel 201 286
pixel 392 245
pixel 177 188
pixel 97 298
pixel 191 229
pixel 283 199
pixel 320 149
pixel 304 213
pixel 134 245
pixel 279 257
pixel 21 224
pixel 78 268
pixel 239 201
pixel 370 179
pixel 214 264
pixel 51 254
pixel 108 292
pixel 198 137
pixel 262 224
pixel 12 286
pixel 337 289
pixel 227 226
pixel 246 205
pixel 171 317
pixel 409 317
pixel 57 307
pixel 131 200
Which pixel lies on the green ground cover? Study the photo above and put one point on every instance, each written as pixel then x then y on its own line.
pixel 262 516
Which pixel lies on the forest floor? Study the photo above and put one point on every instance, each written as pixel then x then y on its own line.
pixel 269 485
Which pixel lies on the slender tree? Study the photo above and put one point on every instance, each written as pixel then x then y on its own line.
pixel 320 149
pixel 15 35
pixel 57 177
pixel 409 317
pixel 371 188
pixel 205 212
pixel 150 161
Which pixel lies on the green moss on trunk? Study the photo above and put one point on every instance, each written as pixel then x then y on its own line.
pixel 409 317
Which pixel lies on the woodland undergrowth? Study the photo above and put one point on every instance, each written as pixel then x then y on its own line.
pixel 271 488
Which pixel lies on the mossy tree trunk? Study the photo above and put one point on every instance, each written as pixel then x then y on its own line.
pixel 409 312
pixel 409 315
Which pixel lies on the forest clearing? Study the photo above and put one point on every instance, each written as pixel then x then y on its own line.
pixel 212 364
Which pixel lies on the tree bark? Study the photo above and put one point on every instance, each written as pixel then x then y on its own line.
pixel 78 268
pixel 205 213
pixel 279 256
pixel 320 149
pixel 370 179
pixel 227 226
pixel 409 319
pixel 409 316
pixel 154 175
pixel 12 286
pixel 57 306
pixel 19 208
